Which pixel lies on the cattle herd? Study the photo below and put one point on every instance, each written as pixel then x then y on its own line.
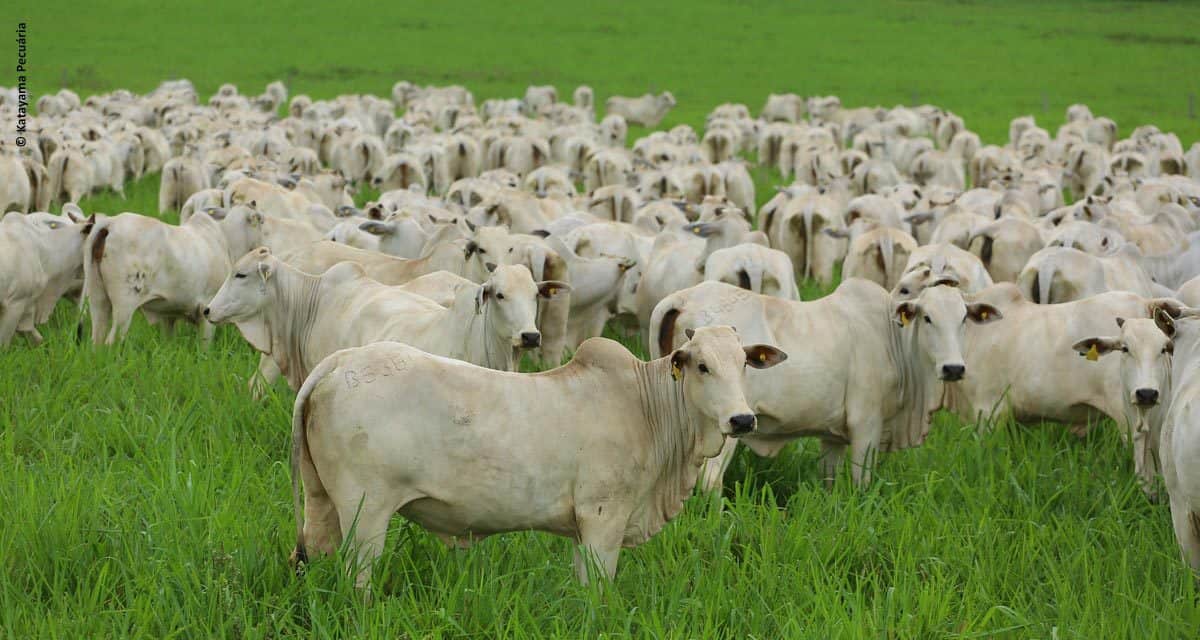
pixel 524 226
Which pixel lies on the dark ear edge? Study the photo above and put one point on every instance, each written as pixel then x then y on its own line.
pixel 762 356
pixel 552 288
pixel 679 360
pixel 1162 320
pixel 1101 344
pixel 982 313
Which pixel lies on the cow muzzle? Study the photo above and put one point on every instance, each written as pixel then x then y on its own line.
pixel 742 424
pixel 531 340
pixel 1145 397
pixel 953 372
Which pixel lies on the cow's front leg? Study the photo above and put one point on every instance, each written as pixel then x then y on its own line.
pixel 864 449
pixel 832 453
pixel 601 531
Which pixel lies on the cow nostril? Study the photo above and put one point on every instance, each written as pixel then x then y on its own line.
pixel 953 372
pixel 490 266
pixel 742 424
pixel 206 311
pixel 1146 396
pixel 531 339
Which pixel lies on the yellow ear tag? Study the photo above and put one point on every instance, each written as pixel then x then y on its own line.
pixel 675 371
pixel 983 315
pixel 762 357
pixel 903 319
pixel 1093 354
pixel 696 230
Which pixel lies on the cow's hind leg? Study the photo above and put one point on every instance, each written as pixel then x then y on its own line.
pixel 122 317
pixel 367 521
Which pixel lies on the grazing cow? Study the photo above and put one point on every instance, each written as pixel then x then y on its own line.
pixel 133 262
pixel 447 447
pixel 297 319
pixel 647 110
pixel 1145 366
pixel 871 370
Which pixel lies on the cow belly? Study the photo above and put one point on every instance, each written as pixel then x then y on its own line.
pixel 483 512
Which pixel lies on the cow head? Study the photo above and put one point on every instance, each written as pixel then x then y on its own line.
pixel 940 314
pixel 711 367
pixel 1146 346
pixel 510 297
pixel 244 293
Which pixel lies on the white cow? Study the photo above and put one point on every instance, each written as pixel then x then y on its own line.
pixel 1179 448
pixel 133 262
pixel 386 429
pixel 1061 274
pixel 1145 350
pixel 297 319
pixel 754 267
pixel 871 371
pixel 647 110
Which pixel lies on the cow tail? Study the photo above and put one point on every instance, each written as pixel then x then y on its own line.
pixel 95 295
pixel 808 241
pixel 1045 278
pixel 300 413
pixel 887 253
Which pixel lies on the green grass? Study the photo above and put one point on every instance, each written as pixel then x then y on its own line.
pixel 144 494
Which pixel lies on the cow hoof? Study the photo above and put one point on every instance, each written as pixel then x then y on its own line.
pixel 298 560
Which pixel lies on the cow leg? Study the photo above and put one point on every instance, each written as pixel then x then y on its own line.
pixel 864 447
pixel 712 476
pixel 600 537
pixel 263 377
pixel 121 319
pixel 33 336
pixel 1187 531
pixel 10 316
pixel 832 453
pixel 368 524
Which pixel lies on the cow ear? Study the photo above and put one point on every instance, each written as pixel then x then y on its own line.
pixel 551 288
pixel 839 232
pixel 679 360
pixel 1162 319
pixel 376 228
pixel 1170 307
pixel 702 229
pixel 762 356
pixel 1093 348
pixel 905 312
pixel 981 313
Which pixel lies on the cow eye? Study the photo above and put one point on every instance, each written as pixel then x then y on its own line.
pixel 904 291
pixel 928 321
pixel 499 296
pixel 239 275
pixel 1124 349
pixel 703 368
pixel 510 249
pixel 481 251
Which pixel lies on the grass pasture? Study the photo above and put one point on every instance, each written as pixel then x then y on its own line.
pixel 145 495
